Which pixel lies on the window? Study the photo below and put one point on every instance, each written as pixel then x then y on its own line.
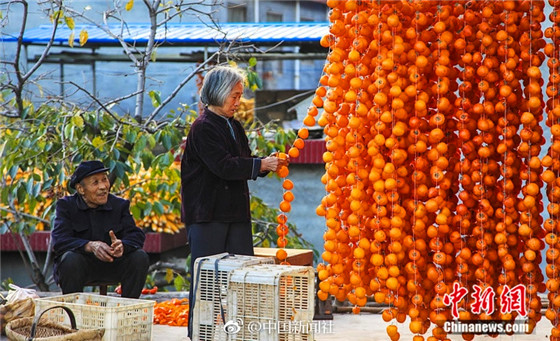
pixel 275 67
pixel 236 13
pixel 273 17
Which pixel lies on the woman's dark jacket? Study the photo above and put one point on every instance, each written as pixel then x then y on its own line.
pixel 76 224
pixel 214 171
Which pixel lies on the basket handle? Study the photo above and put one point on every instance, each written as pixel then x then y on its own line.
pixel 36 320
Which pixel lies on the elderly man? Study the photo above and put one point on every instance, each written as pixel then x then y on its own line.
pixel 95 237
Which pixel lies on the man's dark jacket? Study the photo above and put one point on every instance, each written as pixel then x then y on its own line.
pixel 76 224
pixel 214 171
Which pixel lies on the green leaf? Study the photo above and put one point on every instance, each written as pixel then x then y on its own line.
pixel 152 141
pixel 97 142
pixel 158 208
pixel 29 186
pixel 140 143
pixel 179 283
pixel 116 154
pixel 130 136
pixel 13 171
pixel 147 209
pixel 166 141
pixel 136 212
pixel 147 159
pixel 156 99
pixel 2 147
pixel 21 193
pixel 56 15
pixel 40 89
pixel 119 170
pixel 252 61
pixel 78 121
pixel 25 112
pixel 250 78
pixel 69 22
pixel 36 189
pixel 164 160
pixel 168 275
pixel 126 180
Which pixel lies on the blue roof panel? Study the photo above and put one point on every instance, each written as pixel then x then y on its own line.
pixel 184 33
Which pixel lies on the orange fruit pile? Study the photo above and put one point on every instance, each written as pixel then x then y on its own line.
pixel 432 116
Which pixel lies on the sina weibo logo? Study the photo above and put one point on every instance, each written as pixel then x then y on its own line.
pixel 233 327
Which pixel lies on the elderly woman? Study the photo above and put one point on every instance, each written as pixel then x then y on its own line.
pixel 95 239
pixel 215 167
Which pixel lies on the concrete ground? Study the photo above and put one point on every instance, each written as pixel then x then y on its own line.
pixel 363 327
pixel 349 327
pixel 344 327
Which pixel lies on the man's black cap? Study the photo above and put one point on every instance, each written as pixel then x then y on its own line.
pixel 85 169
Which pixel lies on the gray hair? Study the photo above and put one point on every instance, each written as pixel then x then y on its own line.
pixel 218 84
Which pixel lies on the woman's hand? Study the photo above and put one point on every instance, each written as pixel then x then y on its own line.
pixel 272 163
pixel 269 164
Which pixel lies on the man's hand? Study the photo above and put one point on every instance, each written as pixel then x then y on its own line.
pixel 105 252
pixel 100 250
pixel 116 245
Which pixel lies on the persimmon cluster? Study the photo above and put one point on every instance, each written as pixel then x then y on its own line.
pixel 432 116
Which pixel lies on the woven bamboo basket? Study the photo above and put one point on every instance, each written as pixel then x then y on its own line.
pixel 33 328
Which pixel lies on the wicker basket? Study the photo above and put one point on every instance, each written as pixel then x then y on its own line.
pixel 29 328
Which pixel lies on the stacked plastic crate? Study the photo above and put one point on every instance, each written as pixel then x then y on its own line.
pixel 211 284
pixel 272 303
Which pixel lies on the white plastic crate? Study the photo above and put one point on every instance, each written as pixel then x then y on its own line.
pixel 211 289
pixel 124 319
pixel 272 303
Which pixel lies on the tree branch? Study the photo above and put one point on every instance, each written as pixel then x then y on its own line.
pixel 20 41
pixel 119 99
pixel 181 8
pixel 121 41
pixel 27 215
pixel 45 51
pixel 179 87
pixel 103 106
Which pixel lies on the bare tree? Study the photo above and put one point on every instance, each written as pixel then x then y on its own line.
pixel 18 77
